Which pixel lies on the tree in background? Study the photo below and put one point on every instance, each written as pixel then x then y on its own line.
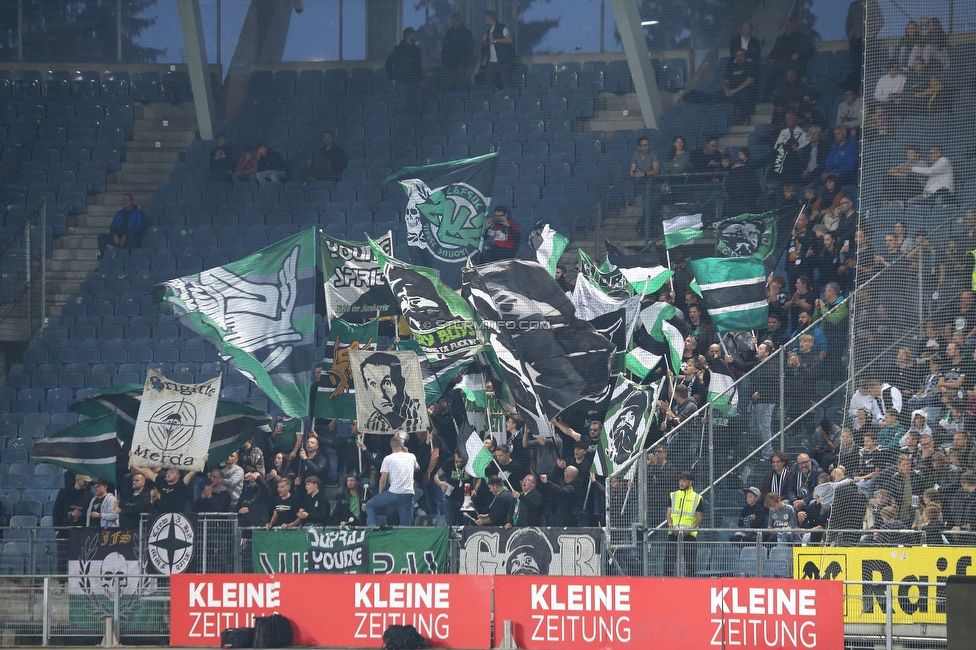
pixel 77 31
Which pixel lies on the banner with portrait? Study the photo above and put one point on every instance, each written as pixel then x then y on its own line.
pixel 389 392
pixel 531 551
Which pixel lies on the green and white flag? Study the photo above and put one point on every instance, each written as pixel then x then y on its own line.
pixel 631 408
pixel 335 392
pixel 724 398
pixel 745 235
pixel 646 280
pixel 472 448
pixel 591 304
pixel 442 323
pixel 682 229
pixel 734 290
pixel 354 285
pixel 641 361
pixel 87 447
pixel 447 210
pixel 473 386
pixel 655 319
pixel 549 248
pixel 260 313
pixel 622 282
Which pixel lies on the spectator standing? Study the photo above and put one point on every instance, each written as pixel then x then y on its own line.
pixel 254 506
pixel 101 509
pixel 222 159
pixel 497 53
pixel 864 21
pixel 284 508
pixel 430 452
pixel 453 479
pixel 782 518
pixel 502 503
pixel 287 439
pixel 350 507
pixel 684 516
pixel 132 505
pixel 644 165
pixel 457 55
pixel 214 497
pixel 748 42
pixel 814 155
pixel 503 234
pixel 313 506
pixel 396 485
pixel 792 47
pixel 528 508
pixel 329 162
pixel 233 478
pixel 404 67
pixel 126 229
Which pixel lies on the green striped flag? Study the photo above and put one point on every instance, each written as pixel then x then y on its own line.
pixel 260 313
pixel 640 362
pixel 476 456
pixel 655 319
pixel 682 229
pixel 550 249
pixel 638 280
pixel 734 290
pixel 645 280
pixel 233 424
pixel 87 447
pixel 473 386
pixel 724 398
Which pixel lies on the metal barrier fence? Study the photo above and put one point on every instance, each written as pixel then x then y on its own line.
pixel 23 277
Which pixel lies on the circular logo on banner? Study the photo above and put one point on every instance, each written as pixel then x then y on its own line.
pixel 448 221
pixel 171 426
pixel 171 543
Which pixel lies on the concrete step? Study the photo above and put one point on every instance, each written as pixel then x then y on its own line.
pixel 71 244
pixel 742 128
pixel 100 211
pixel 97 222
pixel 176 124
pixel 184 111
pixel 147 167
pixel 618 122
pixel 142 199
pixel 151 154
pixel 148 178
pixel 132 188
pixel 74 265
pixel 612 101
pixel 735 140
pixel 163 135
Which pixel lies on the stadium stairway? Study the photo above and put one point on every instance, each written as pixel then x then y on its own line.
pixel 161 134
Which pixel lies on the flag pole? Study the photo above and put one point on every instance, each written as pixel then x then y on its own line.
pixel 630 485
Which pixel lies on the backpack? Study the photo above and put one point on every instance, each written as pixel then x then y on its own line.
pixel 272 631
pixel 237 637
pixel 403 637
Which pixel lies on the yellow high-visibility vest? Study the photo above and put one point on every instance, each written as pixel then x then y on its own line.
pixel 684 505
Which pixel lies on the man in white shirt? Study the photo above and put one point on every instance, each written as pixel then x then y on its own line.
pixel 891 85
pixel 876 398
pixel 397 473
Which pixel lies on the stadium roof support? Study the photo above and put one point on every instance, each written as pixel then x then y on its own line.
pixel 196 59
pixel 639 59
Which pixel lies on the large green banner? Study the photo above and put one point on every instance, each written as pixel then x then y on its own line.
pixel 342 550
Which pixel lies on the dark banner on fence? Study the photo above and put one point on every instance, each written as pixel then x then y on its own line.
pixel 337 550
pixel 531 551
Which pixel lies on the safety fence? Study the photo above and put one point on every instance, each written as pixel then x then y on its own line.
pixel 23 275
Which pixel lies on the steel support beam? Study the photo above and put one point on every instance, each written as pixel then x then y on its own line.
pixel 639 60
pixel 196 59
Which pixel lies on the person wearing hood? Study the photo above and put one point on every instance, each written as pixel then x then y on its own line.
pixel 920 424
pixel 753 516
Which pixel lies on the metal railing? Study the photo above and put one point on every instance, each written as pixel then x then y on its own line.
pixel 23 278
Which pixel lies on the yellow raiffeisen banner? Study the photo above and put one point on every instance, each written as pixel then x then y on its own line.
pixel 866 603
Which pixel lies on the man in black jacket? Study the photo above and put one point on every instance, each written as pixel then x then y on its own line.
pixel 254 506
pixel 745 40
pixel 501 504
pixel 404 67
pixel 565 497
pixel 528 508
pixel 214 497
pixel 132 505
pixel 313 507
pixel 456 54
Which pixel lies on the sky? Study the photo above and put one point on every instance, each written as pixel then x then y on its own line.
pixel 313 34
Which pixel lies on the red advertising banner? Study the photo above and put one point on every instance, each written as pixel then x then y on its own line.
pixel 451 611
pixel 560 613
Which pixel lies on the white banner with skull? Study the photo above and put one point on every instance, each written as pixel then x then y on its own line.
pixel 175 423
